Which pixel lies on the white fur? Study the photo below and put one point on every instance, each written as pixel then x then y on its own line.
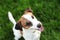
pixel 17 33
pixel 11 18
pixel 28 34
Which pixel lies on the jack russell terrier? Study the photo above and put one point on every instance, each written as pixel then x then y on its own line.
pixel 28 26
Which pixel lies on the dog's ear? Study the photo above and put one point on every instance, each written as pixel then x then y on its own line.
pixel 18 26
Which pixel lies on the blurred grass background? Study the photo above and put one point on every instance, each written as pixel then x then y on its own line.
pixel 47 11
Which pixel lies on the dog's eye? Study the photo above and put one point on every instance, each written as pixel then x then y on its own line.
pixel 28 24
pixel 32 17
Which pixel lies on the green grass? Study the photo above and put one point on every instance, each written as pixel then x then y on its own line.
pixel 46 11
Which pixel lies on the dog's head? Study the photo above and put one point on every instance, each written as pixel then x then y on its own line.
pixel 29 21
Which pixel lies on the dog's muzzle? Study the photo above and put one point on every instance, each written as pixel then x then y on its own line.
pixel 39 28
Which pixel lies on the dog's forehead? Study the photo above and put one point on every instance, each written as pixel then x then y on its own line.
pixel 27 16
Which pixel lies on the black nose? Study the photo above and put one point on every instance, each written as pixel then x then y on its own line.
pixel 39 25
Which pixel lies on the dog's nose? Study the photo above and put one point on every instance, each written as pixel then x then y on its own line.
pixel 39 25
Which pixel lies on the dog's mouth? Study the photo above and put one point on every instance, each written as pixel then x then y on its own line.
pixel 41 29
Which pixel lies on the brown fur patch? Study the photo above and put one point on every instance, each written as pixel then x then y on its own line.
pixel 23 22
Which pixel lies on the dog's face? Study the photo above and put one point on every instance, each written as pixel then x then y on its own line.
pixel 29 21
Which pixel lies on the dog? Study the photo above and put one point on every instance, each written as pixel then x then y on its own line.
pixel 27 26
